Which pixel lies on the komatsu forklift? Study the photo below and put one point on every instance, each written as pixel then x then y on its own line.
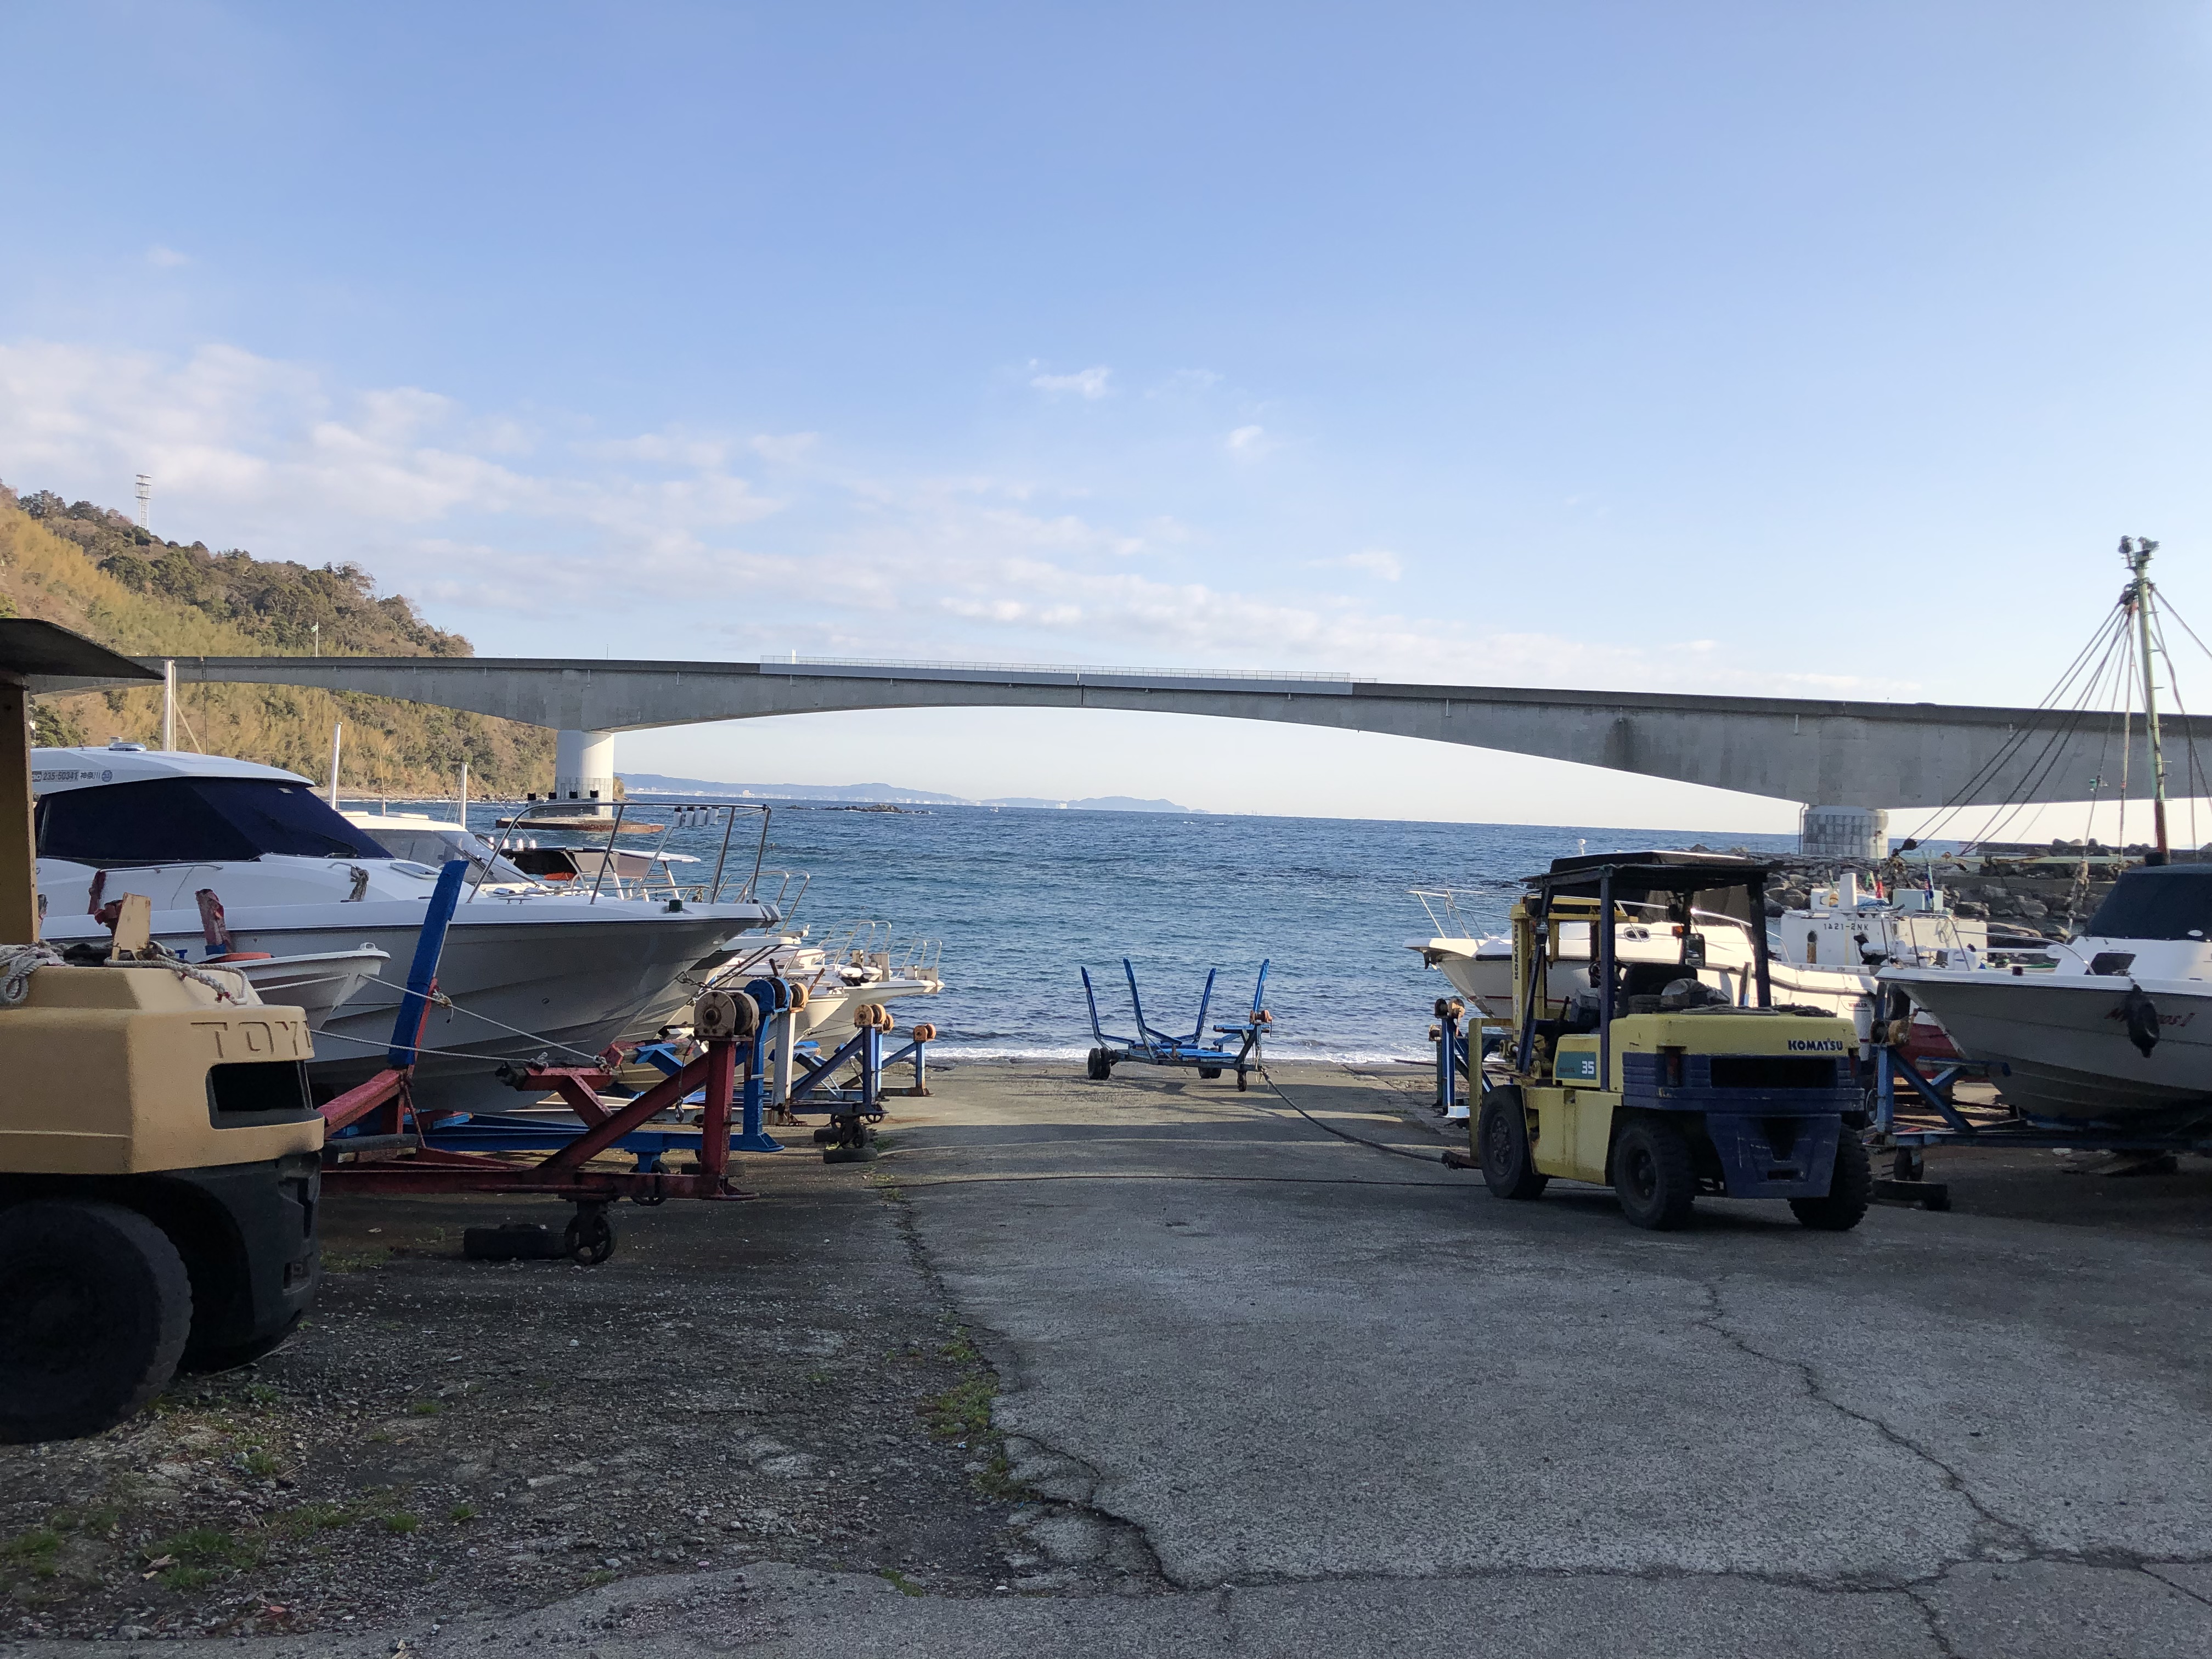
pixel 1660 1074
pixel 159 1155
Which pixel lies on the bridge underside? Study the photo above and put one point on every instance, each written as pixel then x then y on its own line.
pixel 1864 754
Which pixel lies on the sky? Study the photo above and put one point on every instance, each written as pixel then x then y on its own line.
pixel 1816 351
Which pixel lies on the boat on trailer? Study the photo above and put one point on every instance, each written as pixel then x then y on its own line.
pixel 530 969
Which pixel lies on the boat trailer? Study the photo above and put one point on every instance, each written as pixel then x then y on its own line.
pixel 376 1140
pixel 1914 1109
pixel 1153 1046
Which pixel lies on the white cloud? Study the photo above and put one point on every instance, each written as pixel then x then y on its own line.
pixel 658 542
pixel 1249 441
pixel 785 448
pixel 1186 382
pixel 166 258
pixel 1092 383
pixel 1376 561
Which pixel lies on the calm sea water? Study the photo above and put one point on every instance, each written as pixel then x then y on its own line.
pixel 1021 898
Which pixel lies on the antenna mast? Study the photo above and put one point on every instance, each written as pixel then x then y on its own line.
pixel 145 498
pixel 2137 551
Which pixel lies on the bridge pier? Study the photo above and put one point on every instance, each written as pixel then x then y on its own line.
pixel 584 767
pixel 1844 832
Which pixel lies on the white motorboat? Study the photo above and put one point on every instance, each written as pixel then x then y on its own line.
pixel 862 966
pixel 319 984
pixel 2111 1032
pixel 530 969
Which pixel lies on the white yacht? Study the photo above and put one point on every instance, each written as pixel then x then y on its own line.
pixel 530 969
pixel 2110 1033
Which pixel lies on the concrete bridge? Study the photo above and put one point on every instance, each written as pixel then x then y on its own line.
pixel 1862 754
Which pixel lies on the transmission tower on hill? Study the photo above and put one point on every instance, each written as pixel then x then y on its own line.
pixel 145 497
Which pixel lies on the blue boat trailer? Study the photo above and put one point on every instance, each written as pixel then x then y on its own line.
pixel 1462 1042
pixel 851 1108
pixel 1153 1046
pixel 1913 1111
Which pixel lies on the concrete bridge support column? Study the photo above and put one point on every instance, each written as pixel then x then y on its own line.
pixel 1840 832
pixel 584 767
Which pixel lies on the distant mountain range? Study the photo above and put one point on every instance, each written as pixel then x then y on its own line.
pixel 653 783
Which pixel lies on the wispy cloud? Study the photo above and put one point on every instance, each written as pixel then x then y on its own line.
pixel 1093 383
pixel 1185 382
pixel 1375 561
pixel 166 258
pixel 1249 441
pixel 533 517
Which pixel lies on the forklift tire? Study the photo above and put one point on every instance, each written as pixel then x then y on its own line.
pixel 239 1353
pixel 1851 1189
pixel 1501 1146
pixel 1100 1068
pixel 1654 1174
pixel 94 1309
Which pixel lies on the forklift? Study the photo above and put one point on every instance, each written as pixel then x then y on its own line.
pixel 1657 1075
pixel 158 1152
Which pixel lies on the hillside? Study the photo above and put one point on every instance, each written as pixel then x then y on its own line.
pixel 92 569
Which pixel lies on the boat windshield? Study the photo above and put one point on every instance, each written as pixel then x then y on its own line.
pixel 194 821
pixel 2171 902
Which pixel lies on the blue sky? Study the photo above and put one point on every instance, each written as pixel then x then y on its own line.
pixel 1822 350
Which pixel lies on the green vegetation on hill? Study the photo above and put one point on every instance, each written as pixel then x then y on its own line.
pixel 92 569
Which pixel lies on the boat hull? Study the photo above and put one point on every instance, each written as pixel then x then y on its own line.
pixel 317 985
pixel 2065 1041
pixel 524 981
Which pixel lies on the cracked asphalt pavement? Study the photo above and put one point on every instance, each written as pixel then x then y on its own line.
pixel 1262 1390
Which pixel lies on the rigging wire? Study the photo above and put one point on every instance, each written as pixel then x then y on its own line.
pixel 2019 739
pixel 2193 776
pixel 2110 635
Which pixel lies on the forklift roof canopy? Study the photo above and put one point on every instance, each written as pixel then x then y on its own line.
pixel 47 659
pixel 1725 881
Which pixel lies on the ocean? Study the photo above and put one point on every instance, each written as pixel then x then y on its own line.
pixel 1022 898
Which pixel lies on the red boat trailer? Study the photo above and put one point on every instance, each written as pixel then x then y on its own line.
pixel 373 1132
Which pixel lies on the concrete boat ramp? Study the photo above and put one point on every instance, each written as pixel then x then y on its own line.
pixel 1263 1391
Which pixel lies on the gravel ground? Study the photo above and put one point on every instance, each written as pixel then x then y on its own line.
pixel 772 1381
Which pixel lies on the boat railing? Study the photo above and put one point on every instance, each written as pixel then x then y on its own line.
pixel 920 958
pixel 786 902
pixel 707 892
pixel 1442 904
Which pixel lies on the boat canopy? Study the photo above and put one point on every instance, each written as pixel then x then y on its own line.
pixel 2157 901
pixel 196 820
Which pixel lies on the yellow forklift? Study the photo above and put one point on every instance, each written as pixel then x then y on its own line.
pixel 1656 1072
pixel 159 1154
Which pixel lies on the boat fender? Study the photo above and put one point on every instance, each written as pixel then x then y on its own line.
pixel 2142 1015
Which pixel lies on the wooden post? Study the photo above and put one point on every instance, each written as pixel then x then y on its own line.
pixel 19 872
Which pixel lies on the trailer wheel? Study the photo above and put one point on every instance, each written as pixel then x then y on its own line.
pixel 1654 1174
pixel 1501 1143
pixel 1100 1068
pixel 94 1309
pixel 1210 1072
pixel 1849 1190
pixel 590 1239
